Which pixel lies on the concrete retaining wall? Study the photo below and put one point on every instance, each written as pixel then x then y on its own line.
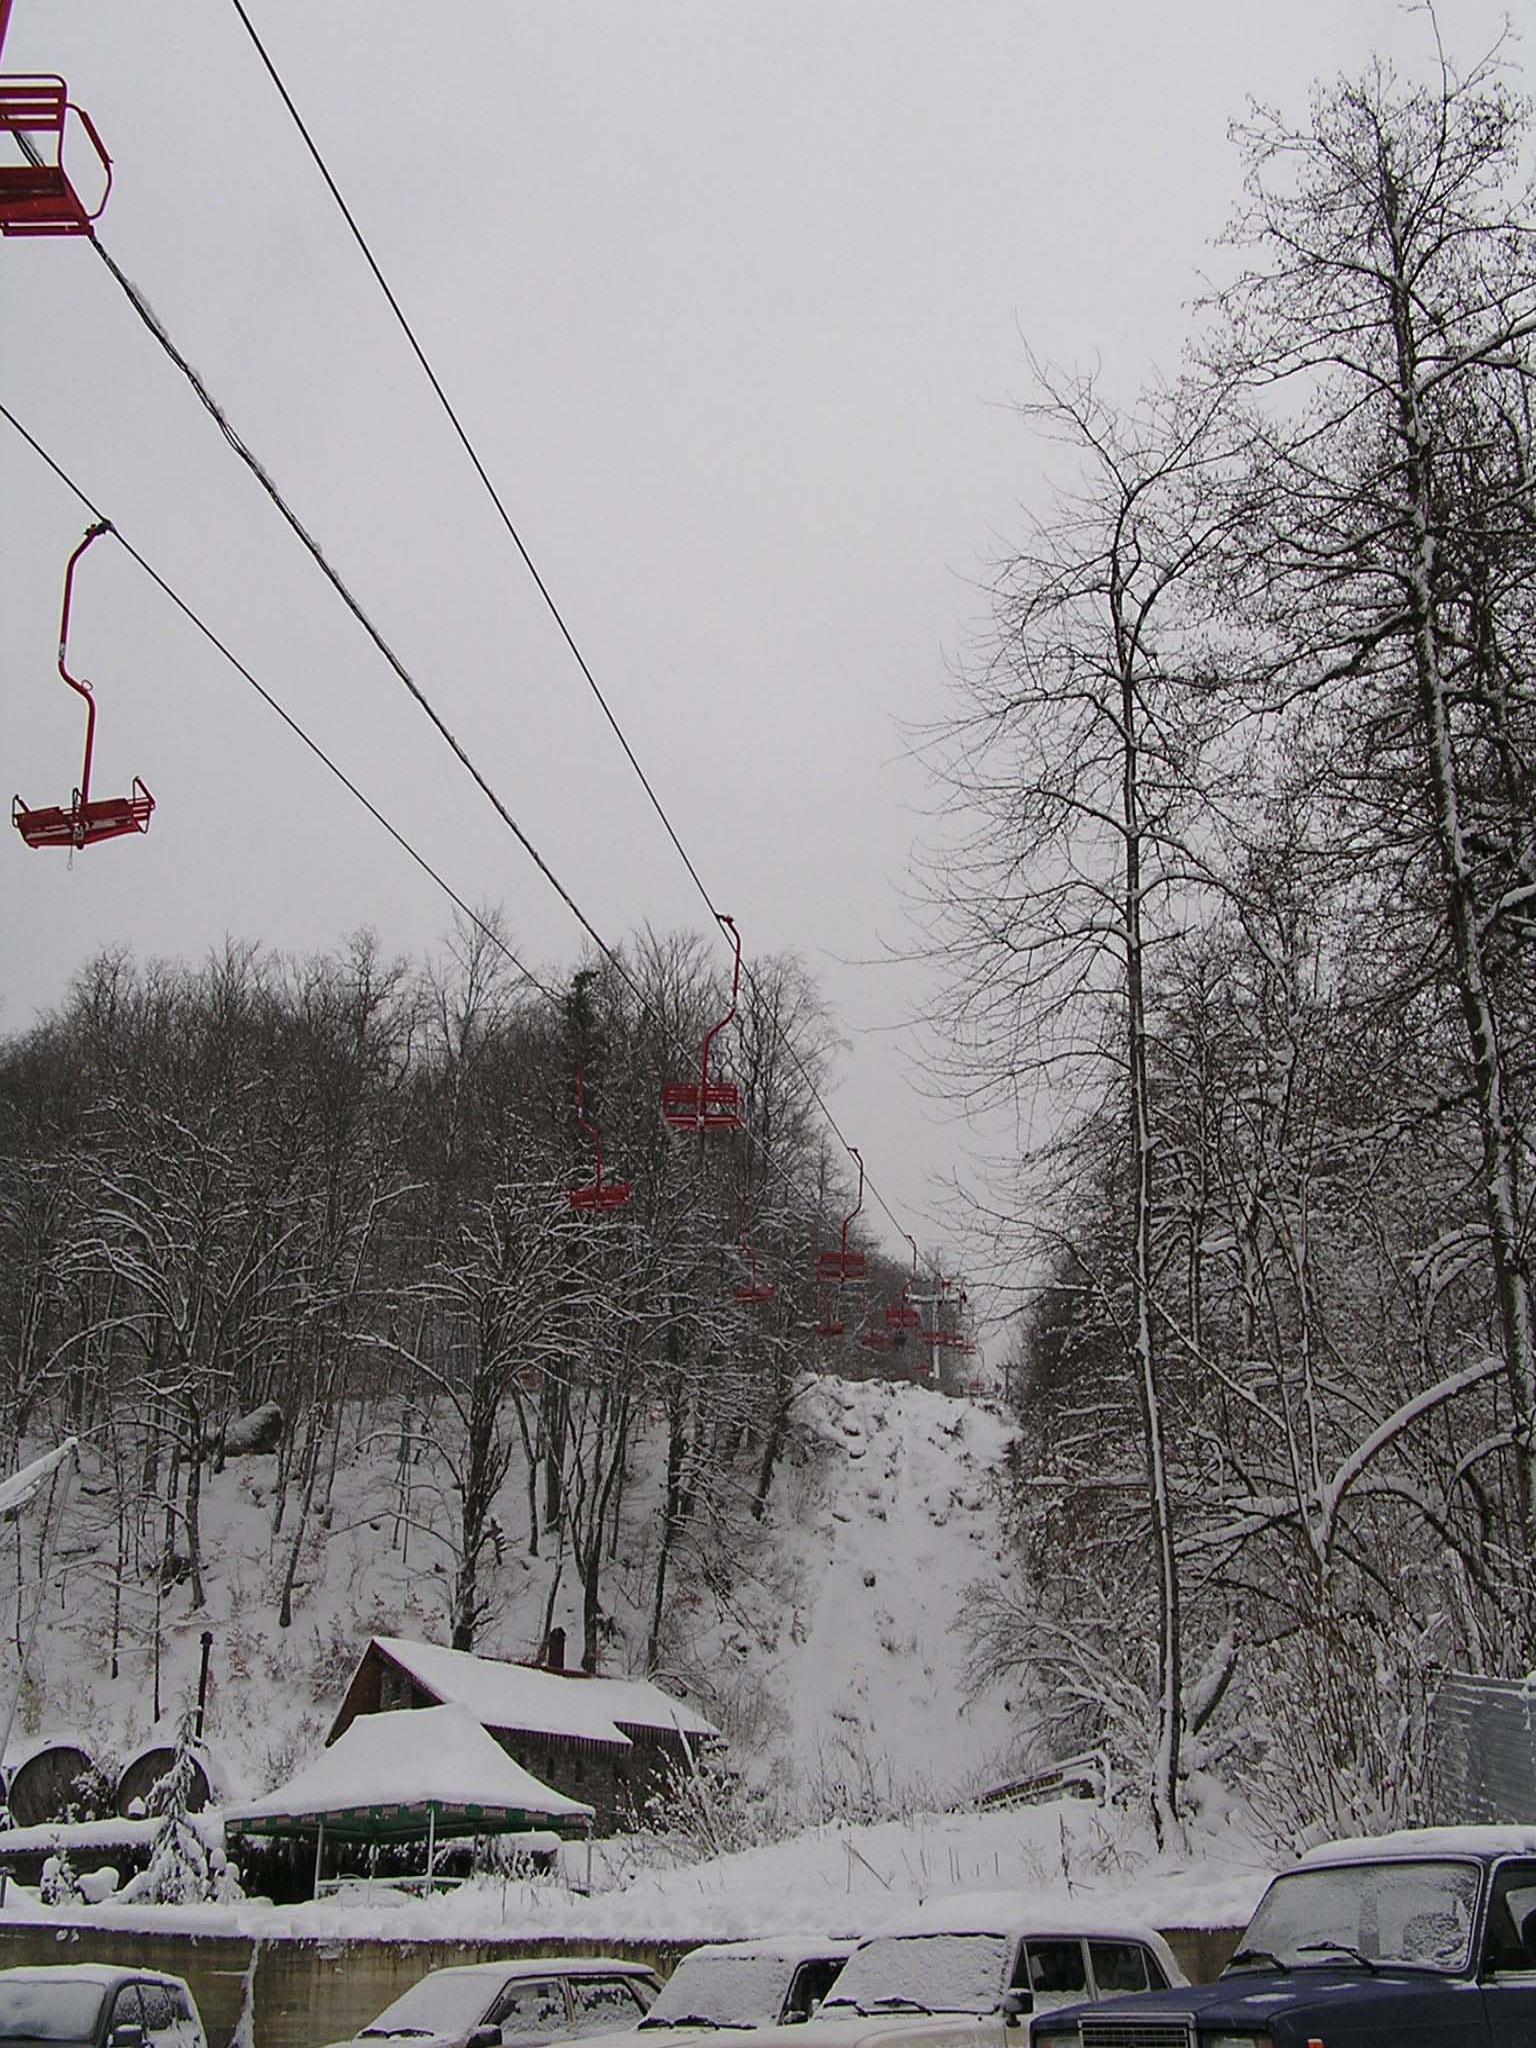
pixel 303 1994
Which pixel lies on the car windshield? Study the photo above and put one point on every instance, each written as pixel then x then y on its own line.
pixel 44 2009
pixel 722 1991
pixel 446 2002
pixel 1389 1912
pixel 933 1972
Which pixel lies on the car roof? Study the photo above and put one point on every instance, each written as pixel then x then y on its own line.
pixel 87 1973
pixel 1483 1843
pixel 1013 1915
pixel 545 1966
pixel 789 1948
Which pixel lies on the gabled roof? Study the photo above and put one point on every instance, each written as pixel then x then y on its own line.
pixel 386 1771
pixel 523 1700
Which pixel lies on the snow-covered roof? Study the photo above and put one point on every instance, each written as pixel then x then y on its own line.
pixel 16 1491
pixel 516 1696
pixel 502 1969
pixel 1014 1914
pixel 1464 1841
pixel 390 1764
pixel 24 1747
pixel 104 1974
pixel 788 1948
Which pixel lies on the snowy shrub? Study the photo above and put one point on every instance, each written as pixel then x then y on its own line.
pixel 1351 1755
pixel 185 1866
pixel 59 1886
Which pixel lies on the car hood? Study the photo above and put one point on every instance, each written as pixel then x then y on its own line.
pixel 1309 2002
pixel 455 2040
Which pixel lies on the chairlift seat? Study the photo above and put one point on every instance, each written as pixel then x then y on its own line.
pixel 842 1265
pixel 829 1326
pixel 39 198
pixel 83 824
pixel 701 1106
pixel 876 1340
pixel 752 1294
pixel 600 1195
pixel 903 1317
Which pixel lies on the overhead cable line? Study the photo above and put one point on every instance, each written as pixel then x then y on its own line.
pixel 465 442
pixel 273 704
pixel 253 463
pixel 518 542
pixel 614 958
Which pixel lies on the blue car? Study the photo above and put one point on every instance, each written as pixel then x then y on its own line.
pixel 1421 1939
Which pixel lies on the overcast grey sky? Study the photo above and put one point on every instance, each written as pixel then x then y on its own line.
pixel 731 299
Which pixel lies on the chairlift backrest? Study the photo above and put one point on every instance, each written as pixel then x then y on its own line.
pixel 36 195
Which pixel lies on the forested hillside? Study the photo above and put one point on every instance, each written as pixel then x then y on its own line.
pixel 332 1198
pixel 1247 912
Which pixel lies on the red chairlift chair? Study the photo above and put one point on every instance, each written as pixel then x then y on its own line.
pixel 832 1268
pixel 87 819
pixel 601 1195
pixel 904 1316
pixel 36 196
pixel 873 1338
pixel 752 1293
pixel 706 1105
pixel 830 1324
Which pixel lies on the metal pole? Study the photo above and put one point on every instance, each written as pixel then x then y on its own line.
pixel 5 17
pixel 202 1682
pixel 431 1841
pixel 319 1849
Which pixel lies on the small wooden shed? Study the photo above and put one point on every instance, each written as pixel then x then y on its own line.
pixel 610 1742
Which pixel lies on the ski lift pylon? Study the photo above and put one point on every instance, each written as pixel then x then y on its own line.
pixel 706 1105
pixel 87 819
pixel 599 1195
pixel 36 195
pixel 834 1267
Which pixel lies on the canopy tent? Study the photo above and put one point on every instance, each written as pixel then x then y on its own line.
pixel 421 1773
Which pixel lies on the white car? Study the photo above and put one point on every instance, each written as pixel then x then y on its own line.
pixel 964 1973
pixel 98 2005
pixel 775 1981
pixel 514 2004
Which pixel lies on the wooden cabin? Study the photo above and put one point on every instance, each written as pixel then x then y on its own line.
pixel 613 1742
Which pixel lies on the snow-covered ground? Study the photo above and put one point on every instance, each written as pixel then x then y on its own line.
pixel 827 1651
pixel 840 1878
pixel 831 1653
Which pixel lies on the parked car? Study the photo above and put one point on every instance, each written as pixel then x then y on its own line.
pixel 959 1975
pixel 506 2004
pixel 97 2005
pixel 1418 1939
pixel 771 1982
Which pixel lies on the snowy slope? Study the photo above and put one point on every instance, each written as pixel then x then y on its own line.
pixel 888 1531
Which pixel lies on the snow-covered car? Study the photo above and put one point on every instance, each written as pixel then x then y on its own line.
pixel 97 2005
pixel 526 2000
pixel 963 1973
pixel 1419 1939
pixel 774 1981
